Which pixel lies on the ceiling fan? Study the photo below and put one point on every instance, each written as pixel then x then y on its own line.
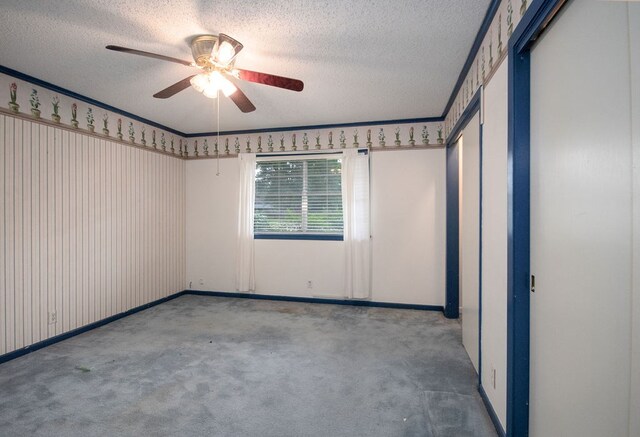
pixel 215 55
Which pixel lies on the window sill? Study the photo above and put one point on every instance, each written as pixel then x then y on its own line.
pixel 318 237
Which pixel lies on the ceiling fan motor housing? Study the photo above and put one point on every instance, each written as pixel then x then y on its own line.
pixel 202 48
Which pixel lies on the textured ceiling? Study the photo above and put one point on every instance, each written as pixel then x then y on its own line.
pixel 360 60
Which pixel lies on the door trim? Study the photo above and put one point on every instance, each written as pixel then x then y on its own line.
pixel 533 23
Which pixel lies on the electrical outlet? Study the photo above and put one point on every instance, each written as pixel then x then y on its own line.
pixel 201 281
pixel 493 377
pixel 52 317
pixel 309 284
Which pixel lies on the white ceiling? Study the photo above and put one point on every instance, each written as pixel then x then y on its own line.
pixel 360 60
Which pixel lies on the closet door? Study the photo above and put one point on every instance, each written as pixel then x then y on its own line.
pixel 581 223
pixel 469 147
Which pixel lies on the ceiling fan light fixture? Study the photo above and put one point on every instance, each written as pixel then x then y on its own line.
pixel 225 52
pixel 210 83
pixel 203 47
pixel 227 49
pixel 199 82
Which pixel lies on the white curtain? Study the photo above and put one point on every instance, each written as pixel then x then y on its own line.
pixel 245 261
pixel 355 204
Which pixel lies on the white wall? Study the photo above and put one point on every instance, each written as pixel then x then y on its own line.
pixel 88 228
pixel 581 223
pixel 469 147
pixel 408 226
pixel 408 222
pixel 494 242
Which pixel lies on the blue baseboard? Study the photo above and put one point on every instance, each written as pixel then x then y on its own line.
pixel 49 341
pixel 357 303
pixel 44 343
pixel 491 411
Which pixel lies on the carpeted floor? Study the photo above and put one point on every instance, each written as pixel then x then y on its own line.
pixel 209 366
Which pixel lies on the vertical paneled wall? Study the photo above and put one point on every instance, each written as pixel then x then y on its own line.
pixel 89 228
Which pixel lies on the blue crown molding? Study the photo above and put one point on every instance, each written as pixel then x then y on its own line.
pixel 72 94
pixel 484 28
pixel 319 126
pixel 89 100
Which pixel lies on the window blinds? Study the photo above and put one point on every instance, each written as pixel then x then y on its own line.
pixel 299 196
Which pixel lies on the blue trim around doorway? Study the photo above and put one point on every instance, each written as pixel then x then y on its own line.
pixel 534 21
pixel 452 255
pixel 452 305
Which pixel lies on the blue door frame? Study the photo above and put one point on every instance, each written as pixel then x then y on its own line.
pixel 533 23
pixel 537 17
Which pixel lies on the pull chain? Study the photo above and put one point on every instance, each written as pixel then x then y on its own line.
pixel 218 131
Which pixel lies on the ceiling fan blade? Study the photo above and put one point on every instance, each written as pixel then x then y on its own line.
pixel 174 89
pixel 270 79
pixel 148 55
pixel 242 101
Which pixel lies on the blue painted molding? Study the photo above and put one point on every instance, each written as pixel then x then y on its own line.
pixel 534 21
pixel 484 28
pixel 472 107
pixel 481 153
pixel 89 100
pixel 74 95
pixel 58 338
pixel 491 411
pixel 452 306
pixel 319 126
pixel 452 255
pixel 316 237
pixel 358 303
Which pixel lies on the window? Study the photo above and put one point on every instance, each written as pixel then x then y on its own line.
pixel 299 198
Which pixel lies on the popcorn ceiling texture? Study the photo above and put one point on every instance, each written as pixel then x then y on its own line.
pixel 360 60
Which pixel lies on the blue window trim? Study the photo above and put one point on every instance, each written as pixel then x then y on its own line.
pixel 534 21
pixel 318 237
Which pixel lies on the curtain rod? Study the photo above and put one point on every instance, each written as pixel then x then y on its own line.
pixel 307 153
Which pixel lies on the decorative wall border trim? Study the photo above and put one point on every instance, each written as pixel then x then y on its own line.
pixel 475 48
pixel 26 117
pixel 98 104
pixel 485 59
pixel 55 88
pixel 284 153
